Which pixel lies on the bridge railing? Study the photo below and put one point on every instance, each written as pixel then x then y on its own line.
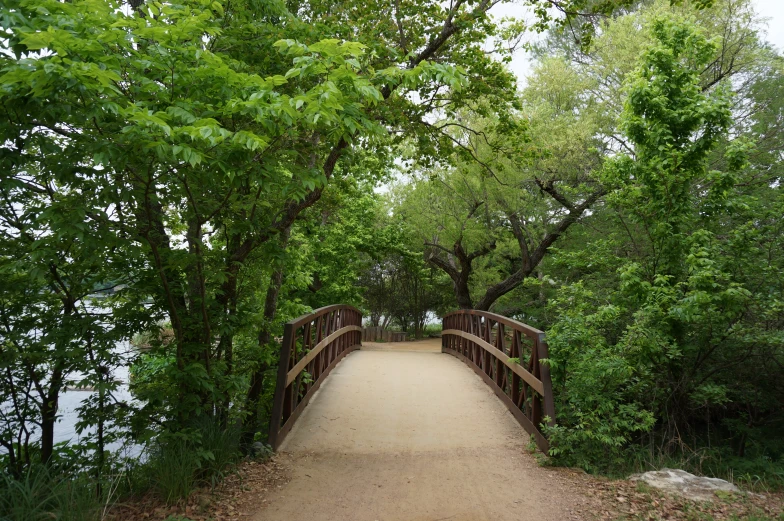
pixel 507 354
pixel 312 346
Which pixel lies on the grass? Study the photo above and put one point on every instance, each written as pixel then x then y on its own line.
pixel 177 466
pixel 646 503
pixel 698 512
pixel 40 495
pixel 220 449
pixel 754 474
pixel 761 476
pixel 172 470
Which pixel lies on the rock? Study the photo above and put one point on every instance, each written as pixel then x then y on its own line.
pixel 260 450
pixel 696 488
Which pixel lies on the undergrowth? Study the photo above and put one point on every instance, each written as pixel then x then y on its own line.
pixel 177 465
pixel 172 468
pixel 42 495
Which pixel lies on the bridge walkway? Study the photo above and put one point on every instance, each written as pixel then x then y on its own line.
pixel 402 432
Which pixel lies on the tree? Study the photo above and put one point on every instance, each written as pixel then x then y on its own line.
pixel 677 345
pixel 515 189
pixel 63 300
pixel 398 285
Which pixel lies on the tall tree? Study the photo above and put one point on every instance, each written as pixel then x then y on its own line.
pixel 683 342
pixel 516 187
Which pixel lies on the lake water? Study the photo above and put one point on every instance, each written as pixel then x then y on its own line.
pixel 72 399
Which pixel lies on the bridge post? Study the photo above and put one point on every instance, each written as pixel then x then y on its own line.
pixel 547 383
pixel 443 337
pixel 280 385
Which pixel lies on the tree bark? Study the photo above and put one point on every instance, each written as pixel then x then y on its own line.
pixel 49 404
pixel 256 388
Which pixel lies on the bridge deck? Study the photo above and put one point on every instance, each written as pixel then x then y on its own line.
pixel 403 432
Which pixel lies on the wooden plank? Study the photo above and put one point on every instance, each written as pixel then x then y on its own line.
pixel 316 350
pixel 530 379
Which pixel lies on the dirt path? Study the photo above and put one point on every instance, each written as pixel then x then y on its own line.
pixel 403 432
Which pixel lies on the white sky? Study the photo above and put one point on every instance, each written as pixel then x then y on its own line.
pixel 773 10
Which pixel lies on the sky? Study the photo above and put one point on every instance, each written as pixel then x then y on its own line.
pixel 772 10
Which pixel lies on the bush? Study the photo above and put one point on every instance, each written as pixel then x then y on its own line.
pixel 433 329
pixel 220 449
pixel 172 469
pixel 597 386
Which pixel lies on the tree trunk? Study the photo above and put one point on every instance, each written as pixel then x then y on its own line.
pixel 462 293
pixel 256 389
pixel 49 415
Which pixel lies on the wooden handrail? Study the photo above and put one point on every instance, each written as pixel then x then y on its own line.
pixel 533 381
pixel 490 344
pixel 316 350
pixel 313 344
pixel 530 330
pixel 307 317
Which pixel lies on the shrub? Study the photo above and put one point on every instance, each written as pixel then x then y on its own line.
pixel 200 455
pixel 172 468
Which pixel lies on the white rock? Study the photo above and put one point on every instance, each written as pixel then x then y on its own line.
pixel 688 485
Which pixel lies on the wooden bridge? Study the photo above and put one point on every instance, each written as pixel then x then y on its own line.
pixel 402 432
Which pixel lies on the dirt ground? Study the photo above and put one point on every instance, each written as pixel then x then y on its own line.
pixel 400 431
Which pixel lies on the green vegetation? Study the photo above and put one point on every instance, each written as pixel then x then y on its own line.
pixel 678 350
pixel 189 176
pixel 177 465
pixel 41 493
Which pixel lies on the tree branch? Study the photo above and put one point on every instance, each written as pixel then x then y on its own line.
pixel 496 291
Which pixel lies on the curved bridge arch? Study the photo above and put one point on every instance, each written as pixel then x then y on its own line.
pixel 312 346
pixel 508 355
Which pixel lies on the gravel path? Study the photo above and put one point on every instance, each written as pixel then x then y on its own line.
pixel 403 432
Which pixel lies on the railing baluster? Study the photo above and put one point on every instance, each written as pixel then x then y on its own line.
pixel 500 368
pixel 479 339
pixel 328 334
